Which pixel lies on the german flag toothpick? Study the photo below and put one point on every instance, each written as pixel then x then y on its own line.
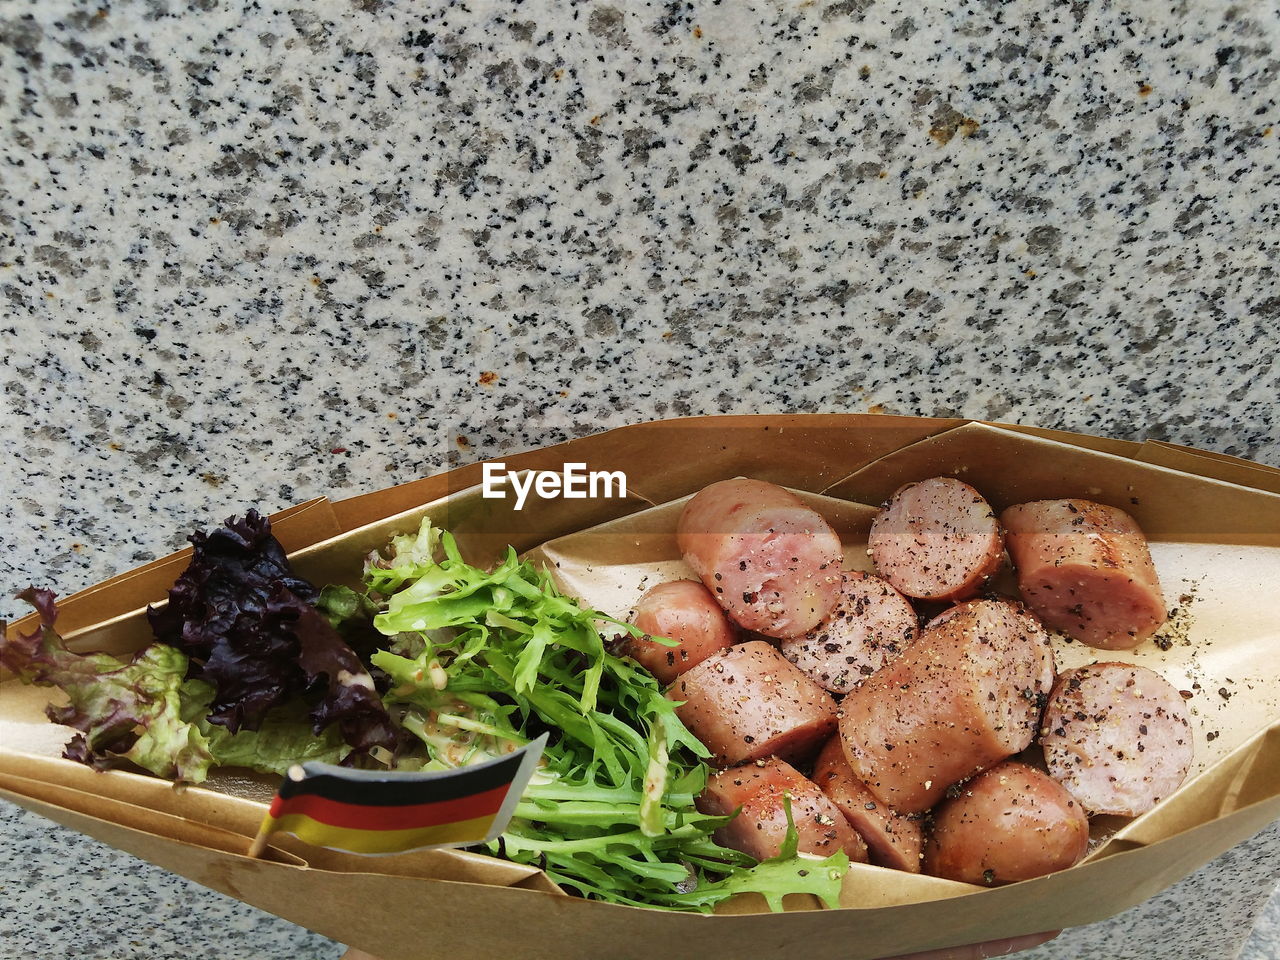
pixel 376 812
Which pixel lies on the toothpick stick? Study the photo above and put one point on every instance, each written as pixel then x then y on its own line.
pixel 259 845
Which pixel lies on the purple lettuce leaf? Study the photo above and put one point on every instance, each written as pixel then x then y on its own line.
pixel 251 630
pixel 350 699
pixel 217 616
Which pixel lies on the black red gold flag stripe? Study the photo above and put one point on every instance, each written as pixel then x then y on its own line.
pixel 373 812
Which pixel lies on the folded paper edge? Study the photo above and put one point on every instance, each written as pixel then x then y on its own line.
pixel 1050 436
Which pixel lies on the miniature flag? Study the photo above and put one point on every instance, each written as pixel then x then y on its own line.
pixel 370 811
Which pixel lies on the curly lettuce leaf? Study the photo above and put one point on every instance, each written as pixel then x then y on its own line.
pixel 125 711
pixel 285 738
pixel 349 700
pixel 217 615
pixel 142 711
pixel 351 614
pixel 788 872
pixel 250 630
pixel 500 656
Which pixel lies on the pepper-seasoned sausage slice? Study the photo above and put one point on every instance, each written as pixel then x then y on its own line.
pixel 769 560
pixel 681 610
pixel 749 703
pixel 893 840
pixel 760 828
pixel 871 624
pixel 1086 569
pixel 937 539
pixel 1117 736
pixel 1010 823
pixel 966 695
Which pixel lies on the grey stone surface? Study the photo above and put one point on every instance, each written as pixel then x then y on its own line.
pixel 68 896
pixel 1264 941
pixel 256 253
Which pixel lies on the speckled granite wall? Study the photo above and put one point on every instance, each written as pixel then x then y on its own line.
pixel 252 254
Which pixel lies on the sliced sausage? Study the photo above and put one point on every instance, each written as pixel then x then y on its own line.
pixel 1086 569
pixel 871 624
pixel 772 563
pixel 1009 823
pixel 966 695
pixel 893 840
pixel 948 613
pixel 937 539
pixel 1117 736
pixel 761 826
pixel 681 610
pixel 748 703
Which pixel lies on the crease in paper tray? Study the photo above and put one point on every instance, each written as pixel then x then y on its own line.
pixel 1010 467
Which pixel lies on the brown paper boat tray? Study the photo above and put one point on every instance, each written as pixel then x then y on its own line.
pixel 1214 523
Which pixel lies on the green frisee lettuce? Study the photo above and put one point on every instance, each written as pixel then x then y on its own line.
pixel 498 657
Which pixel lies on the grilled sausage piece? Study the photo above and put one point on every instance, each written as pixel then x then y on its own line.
pixel 937 539
pixel 892 840
pixel 1010 823
pixel 749 703
pixel 1014 609
pixel 1117 736
pixel 1086 569
pixel 871 624
pixel 966 695
pixel 682 610
pixel 760 828
pixel 772 563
